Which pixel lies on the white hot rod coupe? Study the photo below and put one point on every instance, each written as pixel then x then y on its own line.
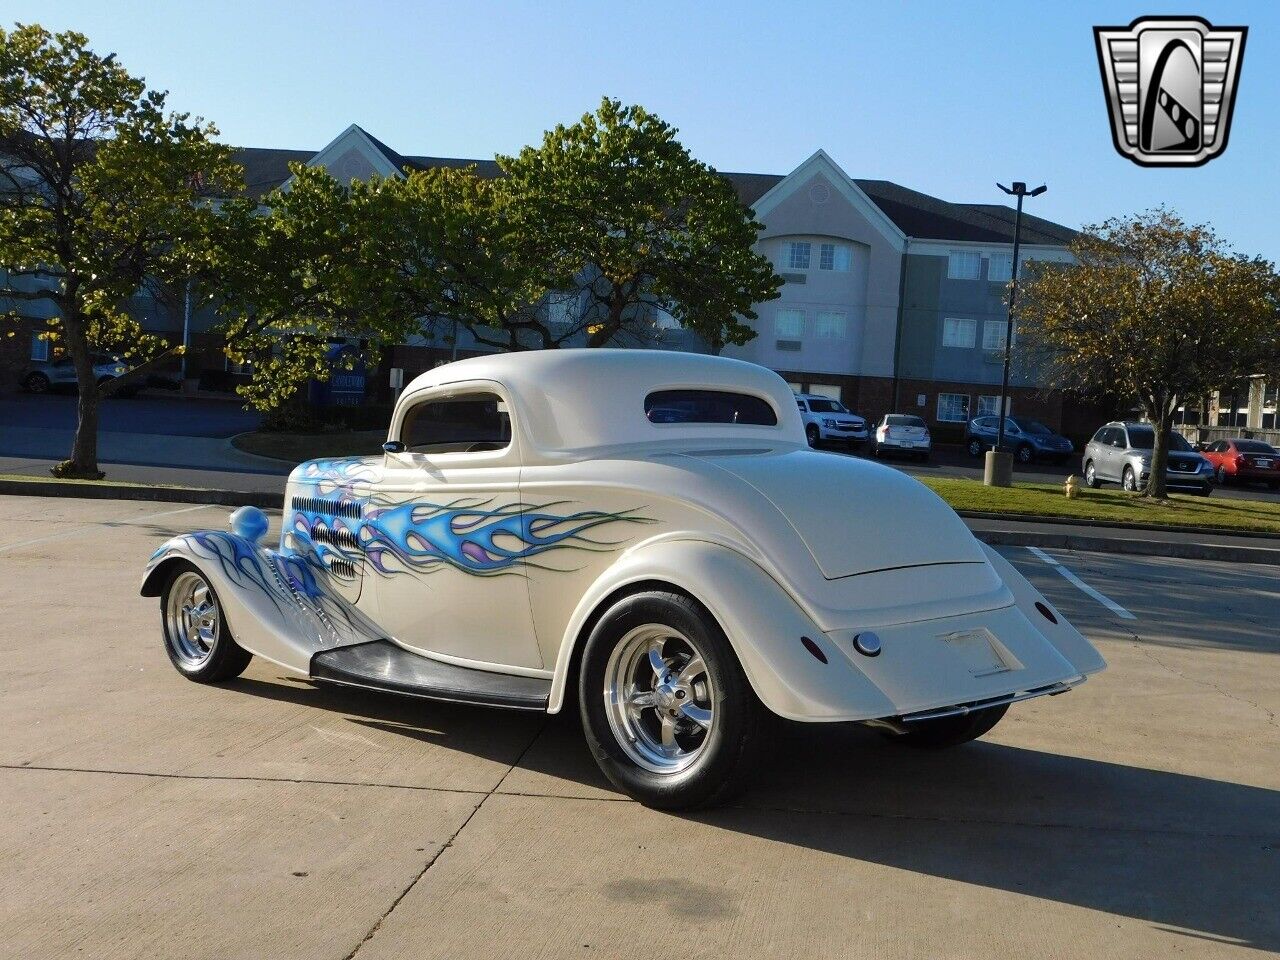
pixel 644 533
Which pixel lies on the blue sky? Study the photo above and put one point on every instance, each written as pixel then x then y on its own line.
pixel 944 98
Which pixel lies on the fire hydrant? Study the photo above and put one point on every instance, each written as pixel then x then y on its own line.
pixel 1072 487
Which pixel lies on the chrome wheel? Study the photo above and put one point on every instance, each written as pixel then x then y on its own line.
pixel 191 619
pixel 1130 480
pixel 659 698
pixel 1090 474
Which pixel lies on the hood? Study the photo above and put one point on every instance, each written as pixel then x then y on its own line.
pixel 854 516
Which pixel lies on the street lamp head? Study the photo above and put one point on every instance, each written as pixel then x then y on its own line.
pixel 1038 190
pixel 1019 189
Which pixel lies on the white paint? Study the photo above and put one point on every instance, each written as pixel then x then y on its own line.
pixel 1084 588
pixel 110 523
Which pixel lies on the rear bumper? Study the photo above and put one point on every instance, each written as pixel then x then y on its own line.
pixel 897 444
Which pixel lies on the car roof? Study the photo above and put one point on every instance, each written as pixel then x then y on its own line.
pixel 583 398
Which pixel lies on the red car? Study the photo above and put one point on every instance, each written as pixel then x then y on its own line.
pixel 1244 461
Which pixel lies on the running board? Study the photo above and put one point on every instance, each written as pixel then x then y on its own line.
pixel 381 665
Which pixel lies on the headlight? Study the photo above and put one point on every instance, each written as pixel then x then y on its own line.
pixel 1145 461
pixel 828 422
pixel 1205 465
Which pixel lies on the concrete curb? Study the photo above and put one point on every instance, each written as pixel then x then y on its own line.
pixel 121 491
pixel 1110 524
pixel 1229 553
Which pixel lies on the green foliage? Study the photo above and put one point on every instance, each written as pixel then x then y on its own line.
pixel 100 191
pixel 618 209
pixel 1156 309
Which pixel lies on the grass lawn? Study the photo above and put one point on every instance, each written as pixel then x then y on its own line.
pixel 1048 500
pixel 297 447
pixel 71 481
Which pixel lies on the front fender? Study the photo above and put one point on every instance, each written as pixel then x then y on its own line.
pixel 763 624
pixel 279 606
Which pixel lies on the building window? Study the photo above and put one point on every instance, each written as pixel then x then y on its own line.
pixel 993 334
pixel 988 406
pixel 964 265
pixel 1000 267
pixel 39 347
pixel 953 407
pixel 958 332
pixel 833 256
pixel 830 326
pixel 798 255
pixel 789 324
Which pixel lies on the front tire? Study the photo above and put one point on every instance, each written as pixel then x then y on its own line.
pixel 1025 454
pixel 36 383
pixel 1222 476
pixel 1129 480
pixel 196 635
pixel 975 447
pixel 952 731
pixel 666 709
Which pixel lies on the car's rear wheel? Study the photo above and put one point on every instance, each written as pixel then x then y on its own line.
pixel 1091 476
pixel 36 383
pixel 196 636
pixel 667 711
pixel 814 434
pixel 974 447
pixel 952 731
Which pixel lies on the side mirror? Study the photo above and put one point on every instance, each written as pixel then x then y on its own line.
pixel 394 446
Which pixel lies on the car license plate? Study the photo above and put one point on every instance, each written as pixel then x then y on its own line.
pixel 977 651
pixel 1263 463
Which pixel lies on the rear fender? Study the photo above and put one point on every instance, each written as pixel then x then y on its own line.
pixel 761 620
pixel 282 607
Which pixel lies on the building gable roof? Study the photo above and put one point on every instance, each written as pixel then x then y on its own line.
pixel 910 212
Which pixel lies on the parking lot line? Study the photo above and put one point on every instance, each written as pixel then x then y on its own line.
pixel 1106 601
pixel 109 523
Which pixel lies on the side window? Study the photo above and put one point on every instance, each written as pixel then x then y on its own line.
pixel 1220 447
pixel 468 423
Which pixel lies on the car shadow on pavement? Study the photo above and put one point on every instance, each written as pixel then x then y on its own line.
pixel 1190 855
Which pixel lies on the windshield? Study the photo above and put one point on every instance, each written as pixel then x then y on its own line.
pixel 1254 446
pixel 823 405
pixel 1030 426
pixel 1144 438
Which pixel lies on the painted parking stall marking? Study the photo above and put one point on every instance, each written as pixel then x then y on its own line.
pixel 109 523
pixel 1083 587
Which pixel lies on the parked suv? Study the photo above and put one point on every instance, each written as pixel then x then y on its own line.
pixel 43 375
pixel 1027 438
pixel 828 419
pixel 1121 453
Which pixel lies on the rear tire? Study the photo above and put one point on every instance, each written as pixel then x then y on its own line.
pixel 196 636
pixel 667 711
pixel 1091 476
pixel 952 731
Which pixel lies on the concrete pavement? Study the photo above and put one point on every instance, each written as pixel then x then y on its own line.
pixel 150 816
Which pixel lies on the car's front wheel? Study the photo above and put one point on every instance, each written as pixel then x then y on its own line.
pixel 36 383
pixel 667 711
pixel 196 636
pixel 952 731
pixel 974 447
pixel 1025 454
pixel 1129 480
pixel 814 434
pixel 1222 476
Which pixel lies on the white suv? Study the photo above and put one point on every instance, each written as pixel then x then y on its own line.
pixel 828 419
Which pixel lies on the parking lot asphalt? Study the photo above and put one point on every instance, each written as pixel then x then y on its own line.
pixel 145 815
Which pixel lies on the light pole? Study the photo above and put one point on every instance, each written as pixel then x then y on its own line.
pixel 998 470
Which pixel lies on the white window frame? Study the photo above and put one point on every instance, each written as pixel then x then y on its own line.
pixel 964 265
pixel 1000 328
pixel 788 315
pixel 794 260
pixel 39 348
pixel 964 418
pixel 1005 274
pixel 831 325
pixel 961 323
pixel 834 257
pixel 988 405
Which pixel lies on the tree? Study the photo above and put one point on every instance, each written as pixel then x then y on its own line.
pixel 616 207
pixel 101 191
pixel 1156 308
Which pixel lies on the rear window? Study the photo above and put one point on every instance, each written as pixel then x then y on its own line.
pixel 1254 446
pixel 708 406
pixel 901 420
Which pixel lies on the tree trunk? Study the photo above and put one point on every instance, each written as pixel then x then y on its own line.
pixel 1162 423
pixel 84 448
